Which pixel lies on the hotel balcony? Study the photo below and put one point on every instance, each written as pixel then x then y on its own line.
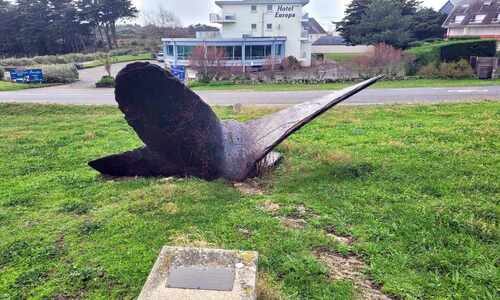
pixel 225 18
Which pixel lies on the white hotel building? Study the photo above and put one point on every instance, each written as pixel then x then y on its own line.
pixel 252 33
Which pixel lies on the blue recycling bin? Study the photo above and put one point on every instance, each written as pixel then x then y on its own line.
pixel 179 72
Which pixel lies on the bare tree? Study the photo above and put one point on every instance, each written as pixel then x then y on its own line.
pixel 161 17
pixel 208 62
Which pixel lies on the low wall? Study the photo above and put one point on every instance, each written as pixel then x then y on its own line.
pixel 340 49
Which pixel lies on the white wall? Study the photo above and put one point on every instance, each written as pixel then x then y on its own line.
pixel 461 31
pixel 341 49
pixel 486 32
pixel 284 23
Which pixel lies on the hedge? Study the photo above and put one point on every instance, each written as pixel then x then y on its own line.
pixel 452 50
pixel 65 58
pixel 465 49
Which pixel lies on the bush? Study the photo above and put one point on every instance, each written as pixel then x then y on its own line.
pixel 449 51
pixel 2 73
pixel 60 73
pixel 291 63
pixel 465 49
pixel 453 70
pixel 65 59
pixel 106 82
pixel 465 37
pixel 383 59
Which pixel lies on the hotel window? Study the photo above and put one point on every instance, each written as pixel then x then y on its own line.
pixel 254 26
pixel 257 52
pixel 279 50
pixel 184 52
pixel 254 8
pixel 459 19
pixel 269 27
pixel 170 50
pixel 478 18
pixel 270 8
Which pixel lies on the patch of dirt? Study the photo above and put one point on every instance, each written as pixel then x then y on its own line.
pixel 293 223
pixel 350 268
pixel 249 187
pixel 343 239
pixel 301 211
pixel 245 232
pixel 192 239
pixel 271 207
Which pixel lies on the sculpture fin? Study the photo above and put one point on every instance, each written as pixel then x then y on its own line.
pixel 139 162
pixel 270 131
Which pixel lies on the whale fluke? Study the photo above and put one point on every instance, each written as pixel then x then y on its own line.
pixel 184 137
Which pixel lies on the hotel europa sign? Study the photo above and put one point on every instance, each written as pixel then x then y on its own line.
pixel 285 12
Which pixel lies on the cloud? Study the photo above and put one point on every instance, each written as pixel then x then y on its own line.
pixel 196 11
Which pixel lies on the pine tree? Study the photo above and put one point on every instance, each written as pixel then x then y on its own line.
pixel 383 22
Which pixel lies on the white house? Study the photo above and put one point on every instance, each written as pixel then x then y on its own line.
pixel 474 18
pixel 252 33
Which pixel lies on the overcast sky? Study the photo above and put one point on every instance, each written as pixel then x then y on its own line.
pixel 196 11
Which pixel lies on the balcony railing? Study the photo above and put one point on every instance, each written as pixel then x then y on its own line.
pixel 225 18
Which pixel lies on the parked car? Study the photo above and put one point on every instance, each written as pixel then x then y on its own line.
pixel 160 57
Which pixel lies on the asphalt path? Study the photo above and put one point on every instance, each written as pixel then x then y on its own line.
pixel 83 93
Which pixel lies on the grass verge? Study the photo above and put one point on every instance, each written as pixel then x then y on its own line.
pixel 343 57
pixel 416 189
pixel 10 86
pixel 118 59
pixel 385 84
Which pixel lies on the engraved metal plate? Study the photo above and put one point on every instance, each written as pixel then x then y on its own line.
pixel 201 278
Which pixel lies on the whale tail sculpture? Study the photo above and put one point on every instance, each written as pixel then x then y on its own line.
pixel 184 137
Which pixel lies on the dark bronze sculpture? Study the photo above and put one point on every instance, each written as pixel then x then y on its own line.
pixel 184 137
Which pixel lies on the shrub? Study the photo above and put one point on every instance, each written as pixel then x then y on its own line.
pixel 291 63
pixel 456 70
pixel 465 49
pixel 65 59
pixel 429 71
pixel 383 59
pixel 106 82
pixel 2 73
pixel 67 73
pixel 452 70
pixel 452 50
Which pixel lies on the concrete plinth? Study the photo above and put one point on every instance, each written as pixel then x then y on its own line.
pixel 202 274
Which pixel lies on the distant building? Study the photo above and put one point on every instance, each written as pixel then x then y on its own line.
pixel 315 30
pixel 253 33
pixel 474 18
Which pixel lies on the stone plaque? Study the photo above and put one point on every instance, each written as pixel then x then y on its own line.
pixel 201 278
pixel 202 274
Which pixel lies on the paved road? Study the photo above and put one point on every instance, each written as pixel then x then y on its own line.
pixel 83 92
pixel 71 95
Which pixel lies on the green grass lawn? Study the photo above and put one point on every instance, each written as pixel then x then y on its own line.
pixel 411 83
pixel 118 59
pixel 10 86
pixel 417 187
pixel 343 57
